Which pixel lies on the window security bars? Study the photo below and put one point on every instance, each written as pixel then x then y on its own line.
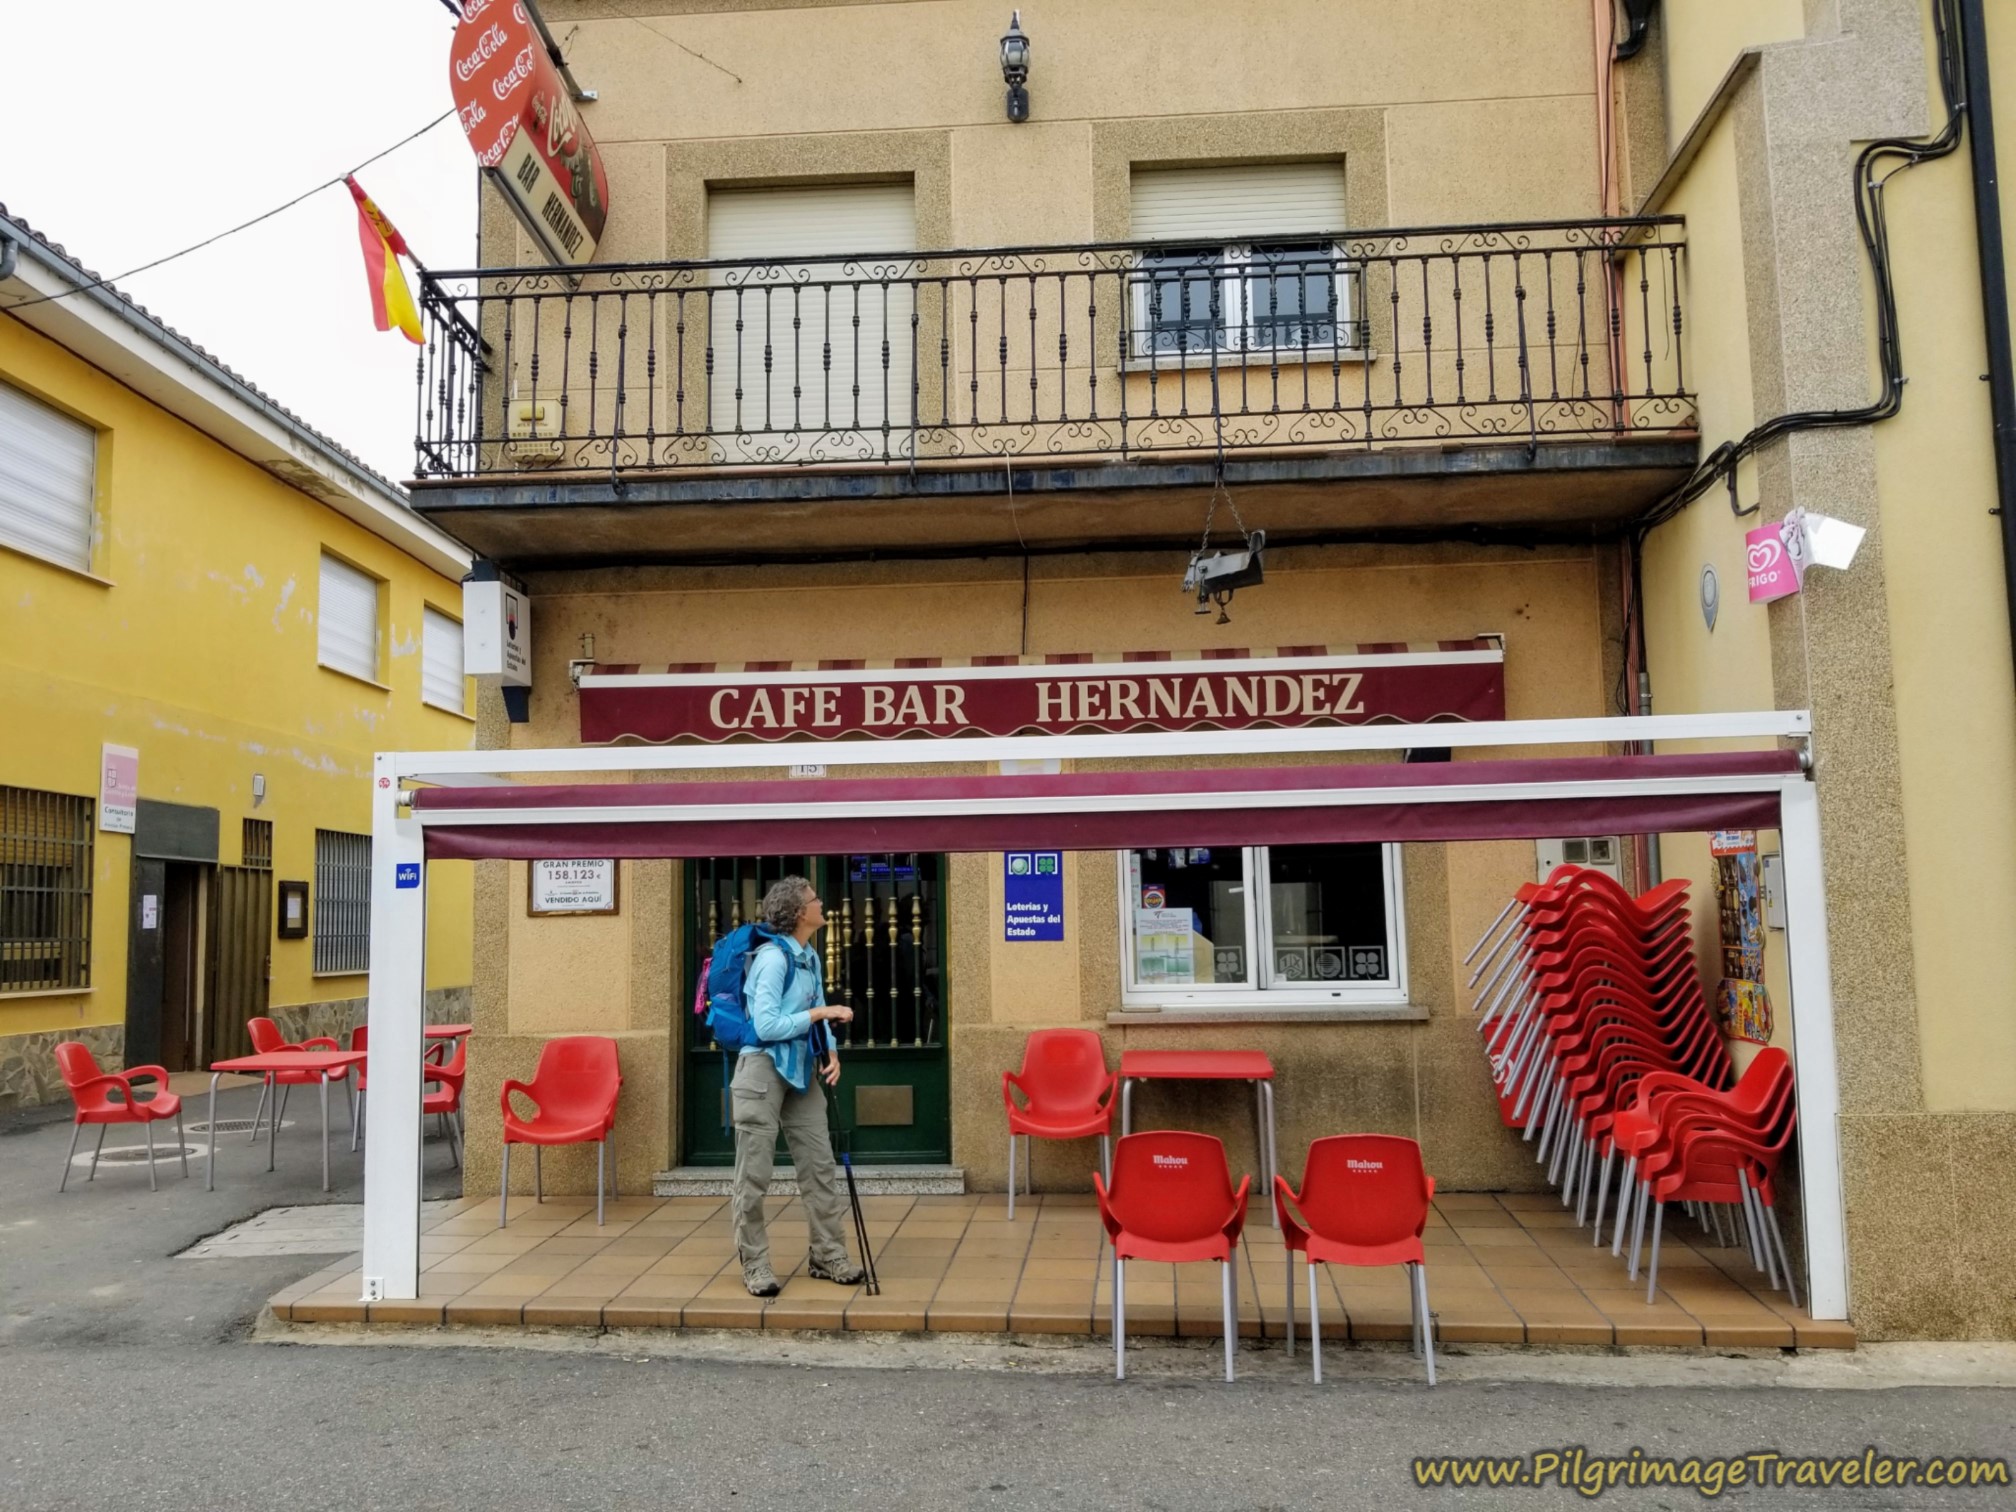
pixel 258 844
pixel 1511 332
pixel 342 902
pixel 45 890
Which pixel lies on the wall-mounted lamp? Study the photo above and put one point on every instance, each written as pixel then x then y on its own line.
pixel 258 789
pixel 1015 68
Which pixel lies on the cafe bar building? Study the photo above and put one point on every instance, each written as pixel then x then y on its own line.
pixel 883 480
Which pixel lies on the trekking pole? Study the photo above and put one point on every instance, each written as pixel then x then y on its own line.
pixel 873 1285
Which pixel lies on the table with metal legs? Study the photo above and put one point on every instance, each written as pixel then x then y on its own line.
pixel 325 1064
pixel 1211 1065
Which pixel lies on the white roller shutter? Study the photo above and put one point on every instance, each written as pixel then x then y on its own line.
pixel 792 325
pixel 347 620
pixel 48 480
pixel 441 681
pixel 1238 205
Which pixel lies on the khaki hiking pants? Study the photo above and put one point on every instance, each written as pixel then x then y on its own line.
pixel 764 1104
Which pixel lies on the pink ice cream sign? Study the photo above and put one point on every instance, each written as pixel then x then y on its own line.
pixel 1774 571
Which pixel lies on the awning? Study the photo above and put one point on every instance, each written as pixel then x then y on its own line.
pixel 1281 687
pixel 1332 803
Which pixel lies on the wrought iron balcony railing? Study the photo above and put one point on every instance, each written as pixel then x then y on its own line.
pixel 1526 332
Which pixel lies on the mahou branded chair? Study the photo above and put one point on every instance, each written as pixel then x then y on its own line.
pixel 1172 1200
pixel 108 1097
pixel 573 1092
pixel 1364 1201
pixel 1068 1092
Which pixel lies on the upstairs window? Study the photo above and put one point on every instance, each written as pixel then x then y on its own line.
pixel 1248 269
pixel 441 681
pixel 347 620
pixel 48 481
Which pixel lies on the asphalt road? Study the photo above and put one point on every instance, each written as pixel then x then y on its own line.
pixel 129 1379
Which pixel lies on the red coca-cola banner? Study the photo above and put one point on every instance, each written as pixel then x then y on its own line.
pixel 525 131
pixel 769 701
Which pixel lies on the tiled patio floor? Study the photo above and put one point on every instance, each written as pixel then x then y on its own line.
pixel 1501 1269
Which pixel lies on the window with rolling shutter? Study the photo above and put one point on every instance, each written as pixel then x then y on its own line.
pixel 48 481
pixel 441 680
pixel 802 346
pixel 347 620
pixel 1253 265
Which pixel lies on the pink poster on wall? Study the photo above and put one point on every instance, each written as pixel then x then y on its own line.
pixel 119 789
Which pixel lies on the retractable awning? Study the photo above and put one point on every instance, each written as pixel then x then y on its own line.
pixel 1315 804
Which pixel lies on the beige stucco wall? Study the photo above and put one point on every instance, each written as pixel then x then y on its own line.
pixel 622 975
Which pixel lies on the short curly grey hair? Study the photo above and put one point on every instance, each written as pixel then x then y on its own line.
pixel 784 902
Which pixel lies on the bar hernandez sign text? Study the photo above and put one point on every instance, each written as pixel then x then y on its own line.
pixel 770 702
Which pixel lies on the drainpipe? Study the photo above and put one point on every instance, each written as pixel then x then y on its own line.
pixel 1994 284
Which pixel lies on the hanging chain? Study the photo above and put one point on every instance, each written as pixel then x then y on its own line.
pixel 1220 491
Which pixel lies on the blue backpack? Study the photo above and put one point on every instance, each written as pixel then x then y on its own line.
pixel 724 981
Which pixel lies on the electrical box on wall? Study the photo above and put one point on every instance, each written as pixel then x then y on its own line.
pixel 1604 853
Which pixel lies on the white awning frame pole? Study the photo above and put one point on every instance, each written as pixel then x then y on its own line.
pixel 397 1016
pixel 1817 1080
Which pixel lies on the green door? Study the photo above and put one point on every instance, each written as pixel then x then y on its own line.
pixel 883 950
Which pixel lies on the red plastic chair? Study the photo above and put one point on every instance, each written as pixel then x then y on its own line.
pixel 573 1092
pixel 266 1040
pixel 360 1040
pixel 1172 1200
pixel 1069 1093
pixel 107 1097
pixel 443 1097
pixel 1364 1201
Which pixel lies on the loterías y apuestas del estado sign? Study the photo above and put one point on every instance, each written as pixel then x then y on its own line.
pixel 1281 687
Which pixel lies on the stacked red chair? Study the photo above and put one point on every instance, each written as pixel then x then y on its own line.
pixel 1592 1011
pixel 1690 1143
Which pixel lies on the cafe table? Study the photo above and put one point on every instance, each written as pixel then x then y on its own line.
pixel 324 1063
pixel 1210 1065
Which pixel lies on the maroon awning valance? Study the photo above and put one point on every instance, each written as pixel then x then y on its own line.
pixel 1336 803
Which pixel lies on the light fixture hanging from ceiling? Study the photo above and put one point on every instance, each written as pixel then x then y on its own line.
pixel 1214 576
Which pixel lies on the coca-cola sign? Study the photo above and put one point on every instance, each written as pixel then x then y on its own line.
pixel 826 704
pixel 526 131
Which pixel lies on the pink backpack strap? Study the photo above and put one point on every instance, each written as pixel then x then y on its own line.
pixel 700 992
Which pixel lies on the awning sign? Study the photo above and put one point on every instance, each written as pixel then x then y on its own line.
pixel 526 133
pixel 777 702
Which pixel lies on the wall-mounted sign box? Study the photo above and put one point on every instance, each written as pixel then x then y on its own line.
pixel 1032 895
pixel 572 887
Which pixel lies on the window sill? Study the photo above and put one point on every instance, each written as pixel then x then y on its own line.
pixel 1291 1012
pixel 323 976
pixel 440 708
pixel 1287 357
pixel 45 992
pixel 369 682
pixel 47 561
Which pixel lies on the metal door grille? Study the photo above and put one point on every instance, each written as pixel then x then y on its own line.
pixel 258 844
pixel 45 890
pixel 342 901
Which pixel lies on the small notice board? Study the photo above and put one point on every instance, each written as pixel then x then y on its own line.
pixel 573 887
pixel 1032 894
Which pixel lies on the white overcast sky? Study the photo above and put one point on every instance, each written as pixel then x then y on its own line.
pixel 140 126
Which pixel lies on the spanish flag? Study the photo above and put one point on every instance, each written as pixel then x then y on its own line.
pixel 391 300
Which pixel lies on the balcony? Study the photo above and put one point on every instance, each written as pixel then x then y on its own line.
pixel 1461 379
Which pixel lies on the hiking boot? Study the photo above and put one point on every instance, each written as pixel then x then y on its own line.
pixel 761 1280
pixel 843 1270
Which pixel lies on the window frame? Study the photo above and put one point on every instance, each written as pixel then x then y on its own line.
pixel 328 956
pixel 74 903
pixel 1259 992
pixel 93 491
pixel 379 585
pixel 1232 279
pixel 428 613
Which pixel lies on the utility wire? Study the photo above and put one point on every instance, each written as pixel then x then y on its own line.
pixel 667 36
pixel 211 241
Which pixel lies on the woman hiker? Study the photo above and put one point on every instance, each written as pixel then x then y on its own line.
pixel 775 1087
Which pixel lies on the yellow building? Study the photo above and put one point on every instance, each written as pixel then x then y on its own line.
pixel 1460 306
pixel 198 590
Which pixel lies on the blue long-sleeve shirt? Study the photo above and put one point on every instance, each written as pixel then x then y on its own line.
pixel 781 1015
